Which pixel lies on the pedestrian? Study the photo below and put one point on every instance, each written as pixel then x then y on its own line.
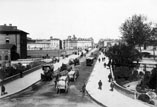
pixel 104 64
pixel 3 90
pixel 112 86
pixel 21 74
pixel 99 59
pixel 100 85
pixel 56 80
pixel 109 77
pixel 83 89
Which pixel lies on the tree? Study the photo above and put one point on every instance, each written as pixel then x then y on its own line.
pixel 135 31
pixel 122 58
pixel 153 39
pixel 123 55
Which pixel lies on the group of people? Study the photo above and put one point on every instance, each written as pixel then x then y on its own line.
pixel 100 85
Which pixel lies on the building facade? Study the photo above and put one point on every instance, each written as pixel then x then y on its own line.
pixel 11 35
pixel 78 43
pixel 107 42
pixel 44 44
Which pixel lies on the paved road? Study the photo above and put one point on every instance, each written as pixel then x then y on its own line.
pixel 43 94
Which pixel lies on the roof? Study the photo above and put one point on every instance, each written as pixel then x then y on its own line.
pixel 79 39
pixel 13 32
pixel 6 46
pixel 4 29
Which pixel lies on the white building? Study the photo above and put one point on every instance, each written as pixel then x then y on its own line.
pixel 77 43
pixel 44 44
pixel 84 43
pixel 108 42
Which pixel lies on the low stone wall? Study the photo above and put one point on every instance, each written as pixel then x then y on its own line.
pixel 124 90
pixel 127 92
pixel 51 53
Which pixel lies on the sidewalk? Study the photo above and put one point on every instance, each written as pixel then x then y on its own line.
pixel 105 96
pixel 28 80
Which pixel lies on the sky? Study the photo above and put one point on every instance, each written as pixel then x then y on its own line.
pixel 99 19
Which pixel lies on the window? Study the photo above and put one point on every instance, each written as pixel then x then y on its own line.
pixel 7 41
pixel 6 57
pixel 0 57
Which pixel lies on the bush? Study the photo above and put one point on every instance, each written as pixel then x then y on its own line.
pixel 134 75
pixel 151 102
pixel 122 73
pixel 144 98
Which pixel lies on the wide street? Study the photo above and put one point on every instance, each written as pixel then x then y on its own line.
pixel 43 94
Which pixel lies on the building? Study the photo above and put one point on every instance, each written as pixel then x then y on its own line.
pixel 11 35
pixel 107 42
pixel 70 43
pixel 44 44
pixel 78 43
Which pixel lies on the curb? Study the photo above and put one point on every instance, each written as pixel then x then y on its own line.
pixel 20 90
pixel 95 100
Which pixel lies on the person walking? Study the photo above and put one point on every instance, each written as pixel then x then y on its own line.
pixel 3 90
pixel 112 86
pixel 99 59
pixel 100 85
pixel 56 79
pixel 104 64
pixel 109 77
pixel 83 89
